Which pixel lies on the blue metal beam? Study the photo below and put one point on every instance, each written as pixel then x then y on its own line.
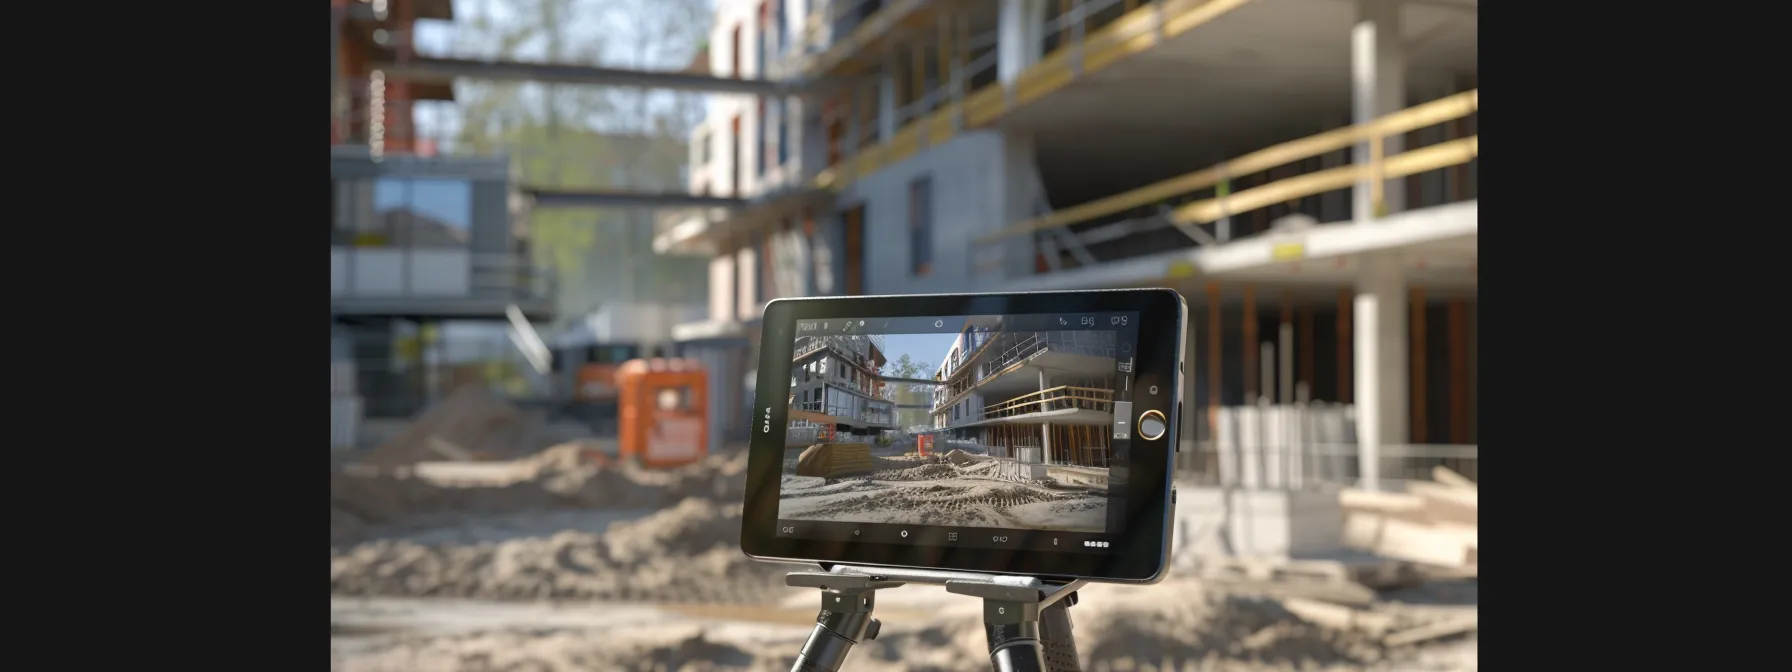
pixel 448 69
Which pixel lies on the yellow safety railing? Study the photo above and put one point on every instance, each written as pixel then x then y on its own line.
pixel 1056 398
pixel 1377 170
pixel 1136 31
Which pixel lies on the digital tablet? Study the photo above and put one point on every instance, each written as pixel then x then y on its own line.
pixel 1030 433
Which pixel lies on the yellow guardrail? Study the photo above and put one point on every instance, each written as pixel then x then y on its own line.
pixel 1028 403
pixel 1135 31
pixel 1377 170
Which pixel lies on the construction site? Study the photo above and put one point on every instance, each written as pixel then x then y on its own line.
pixel 553 236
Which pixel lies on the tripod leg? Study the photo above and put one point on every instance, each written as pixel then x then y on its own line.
pixel 1015 647
pixel 845 620
pixel 1058 641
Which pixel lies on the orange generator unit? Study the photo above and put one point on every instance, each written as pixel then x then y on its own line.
pixel 662 407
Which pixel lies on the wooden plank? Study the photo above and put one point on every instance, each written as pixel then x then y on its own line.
pixel 1446 476
pixel 1446 504
pixel 1444 493
pixel 1385 502
pixel 1430 631
pixel 1339 617
pixel 1405 540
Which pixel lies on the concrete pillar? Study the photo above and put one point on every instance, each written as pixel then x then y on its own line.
pixel 1023 192
pixel 1018 25
pixel 1378 68
pixel 886 100
pixel 1381 364
pixel 1045 431
pixel 1285 386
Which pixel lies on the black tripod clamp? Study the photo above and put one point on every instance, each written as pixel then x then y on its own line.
pixel 1026 620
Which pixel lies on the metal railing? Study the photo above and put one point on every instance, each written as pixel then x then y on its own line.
pixel 1172 202
pixel 1094 43
pixel 1063 397
pixel 869 415
pixel 488 276
pixel 835 343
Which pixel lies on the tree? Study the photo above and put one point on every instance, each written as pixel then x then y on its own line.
pixel 580 137
pixel 907 367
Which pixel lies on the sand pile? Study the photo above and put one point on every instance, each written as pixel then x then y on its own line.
pixel 1170 628
pixel 690 552
pixel 471 422
pixel 359 504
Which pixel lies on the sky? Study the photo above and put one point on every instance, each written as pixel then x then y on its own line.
pixel 922 348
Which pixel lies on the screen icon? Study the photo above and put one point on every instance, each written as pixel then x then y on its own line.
pixel 855 533
pixel 861 323
pixel 939 323
pixel 951 536
pixel 1063 321
pixel 905 534
pixel 1088 321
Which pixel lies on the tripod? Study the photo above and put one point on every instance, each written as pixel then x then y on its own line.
pixel 1026 620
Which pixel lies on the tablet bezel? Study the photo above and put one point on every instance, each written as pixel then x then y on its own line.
pixel 1140 555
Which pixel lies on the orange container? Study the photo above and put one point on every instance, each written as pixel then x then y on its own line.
pixel 924 444
pixel 662 404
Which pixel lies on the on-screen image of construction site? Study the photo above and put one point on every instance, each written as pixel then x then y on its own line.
pixel 1010 429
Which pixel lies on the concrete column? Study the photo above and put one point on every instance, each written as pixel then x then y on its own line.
pixel 1285 366
pixel 1018 25
pixel 886 101
pixel 1045 431
pixel 1381 364
pixel 1378 67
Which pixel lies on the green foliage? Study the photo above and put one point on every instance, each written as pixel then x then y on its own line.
pixel 574 137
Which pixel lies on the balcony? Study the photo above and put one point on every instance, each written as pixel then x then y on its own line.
pixel 1061 398
pixel 1005 351
pixel 435 282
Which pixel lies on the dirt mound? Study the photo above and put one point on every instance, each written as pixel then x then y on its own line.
pixel 689 552
pixel 960 457
pixel 1163 628
pixel 360 503
pixel 470 422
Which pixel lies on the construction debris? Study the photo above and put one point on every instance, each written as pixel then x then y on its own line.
pixel 834 460
pixel 1432 523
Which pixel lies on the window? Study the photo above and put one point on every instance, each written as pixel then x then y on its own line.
pixel 422 212
pixel 761 37
pixel 920 225
pixel 759 160
pixel 734 55
pixel 782 21
pixel 783 130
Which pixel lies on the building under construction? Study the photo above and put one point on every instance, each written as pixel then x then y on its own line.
pixel 1303 171
pixel 416 240
pixel 1035 397
pixel 837 387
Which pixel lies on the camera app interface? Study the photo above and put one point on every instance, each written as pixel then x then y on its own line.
pixel 951 429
